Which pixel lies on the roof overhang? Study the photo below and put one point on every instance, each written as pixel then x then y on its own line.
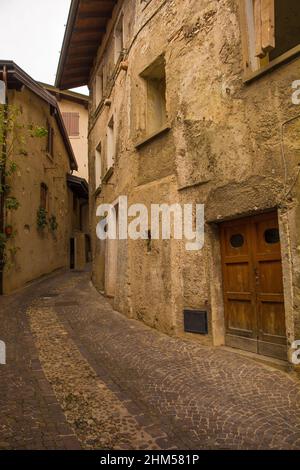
pixel 16 79
pixel 84 33
pixel 79 186
pixel 68 95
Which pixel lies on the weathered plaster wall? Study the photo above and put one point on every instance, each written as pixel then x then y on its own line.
pixel 38 253
pixel 224 149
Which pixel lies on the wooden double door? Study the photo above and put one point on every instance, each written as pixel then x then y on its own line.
pixel 253 285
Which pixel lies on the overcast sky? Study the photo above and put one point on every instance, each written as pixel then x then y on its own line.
pixel 31 34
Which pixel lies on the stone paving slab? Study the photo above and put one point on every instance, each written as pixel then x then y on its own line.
pixel 82 375
pixel 202 397
pixel 30 416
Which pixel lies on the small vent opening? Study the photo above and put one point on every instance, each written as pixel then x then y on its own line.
pixel 196 321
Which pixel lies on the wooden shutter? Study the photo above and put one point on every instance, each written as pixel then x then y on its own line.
pixel 50 139
pixel 264 19
pixel 71 121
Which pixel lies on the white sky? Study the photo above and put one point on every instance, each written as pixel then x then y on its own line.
pixel 31 34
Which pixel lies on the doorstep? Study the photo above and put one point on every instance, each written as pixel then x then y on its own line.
pixel 279 364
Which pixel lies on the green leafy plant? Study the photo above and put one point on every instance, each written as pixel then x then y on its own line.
pixel 37 131
pixel 3 240
pixel 41 219
pixel 53 223
pixel 14 136
pixel 12 204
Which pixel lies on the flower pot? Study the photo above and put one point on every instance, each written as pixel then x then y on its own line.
pixel 8 231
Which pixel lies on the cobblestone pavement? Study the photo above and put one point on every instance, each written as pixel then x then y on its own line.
pixel 79 374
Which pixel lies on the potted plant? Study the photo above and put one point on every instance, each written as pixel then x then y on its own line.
pixel 8 231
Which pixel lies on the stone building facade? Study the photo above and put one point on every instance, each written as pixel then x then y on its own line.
pixel 39 230
pixel 74 110
pixel 191 102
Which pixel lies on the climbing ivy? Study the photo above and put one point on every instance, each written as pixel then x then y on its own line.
pixel 53 223
pixel 41 219
pixel 14 139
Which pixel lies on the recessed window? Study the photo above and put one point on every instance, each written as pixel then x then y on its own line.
pixel 111 145
pixel 99 88
pixel 50 140
pixel 272 236
pixel 43 196
pixel 237 240
pixel 156 110
pixel 71 121
pixel 272 30
pixel 119 38
pixel 98 165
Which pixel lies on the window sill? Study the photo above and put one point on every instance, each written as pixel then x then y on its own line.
pixel 146 5
pixel 98 190
pixel 108 175
pixel 153 136
pixel 98 108
pixel 286 57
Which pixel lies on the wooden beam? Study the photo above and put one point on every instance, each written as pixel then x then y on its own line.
pixel 86 29
pixel 264 19
pixel 94 14
pixel 268 25
pixel 257 21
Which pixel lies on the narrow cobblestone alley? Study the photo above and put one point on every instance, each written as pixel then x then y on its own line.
pixel 80 375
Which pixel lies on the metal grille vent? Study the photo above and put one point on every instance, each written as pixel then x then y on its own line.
pixel 195 321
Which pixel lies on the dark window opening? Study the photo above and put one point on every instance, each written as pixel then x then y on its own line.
pixel 287 26
pixel 237 241
pixel 272 236
pixel 43 196
pixel 50 140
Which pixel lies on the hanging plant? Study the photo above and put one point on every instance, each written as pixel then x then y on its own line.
pixel 53 223
pixel 41 218
pixel 12 204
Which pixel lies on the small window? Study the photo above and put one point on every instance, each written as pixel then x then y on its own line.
pixel 119 38
pixel 272 30
pixel 156 112
pixel 43 196
pixel 111 146
pixel 50 140
pixel 98 165
pixel 272 236
pixel 99 88
pixel 237 241
pixel 71 121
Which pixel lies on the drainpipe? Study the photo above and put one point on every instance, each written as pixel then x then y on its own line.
pixel 3 102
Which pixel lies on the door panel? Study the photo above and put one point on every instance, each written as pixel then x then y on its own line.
pixel 238 286
pixel 269 287
pixel 253 286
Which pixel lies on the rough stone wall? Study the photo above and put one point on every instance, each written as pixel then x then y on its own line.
pixel 224 149
pixel 38 253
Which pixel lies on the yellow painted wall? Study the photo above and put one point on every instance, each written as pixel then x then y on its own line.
pixel 80 143
pixel 39 253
